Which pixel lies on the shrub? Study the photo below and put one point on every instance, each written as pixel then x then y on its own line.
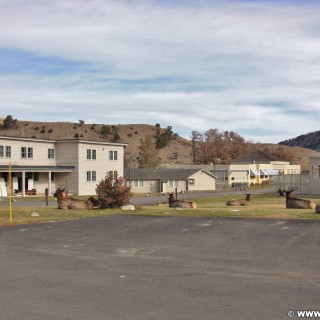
pixel 112 192
pixel 105 130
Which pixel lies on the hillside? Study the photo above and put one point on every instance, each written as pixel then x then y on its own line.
pixel 178 150
pixel 310 140
pixel 300 155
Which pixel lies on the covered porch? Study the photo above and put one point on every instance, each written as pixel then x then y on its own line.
pixel 32 180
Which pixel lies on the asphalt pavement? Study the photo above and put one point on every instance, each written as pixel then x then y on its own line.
pixel 142 268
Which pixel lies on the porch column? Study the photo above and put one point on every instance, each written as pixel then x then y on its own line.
pixel 23 183
pixel 49 183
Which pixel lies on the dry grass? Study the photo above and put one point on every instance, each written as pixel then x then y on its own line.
pixel 262 206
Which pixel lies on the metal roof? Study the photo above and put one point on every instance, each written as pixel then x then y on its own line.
pixel 254 172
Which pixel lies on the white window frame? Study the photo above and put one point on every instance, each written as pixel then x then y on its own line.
pixel 1 151
pixel 91 176
pixel 138 183
pixel 113 155
pixel 24 152
pixel 88 154
pixel 50 153
pixel 174 183
pixel 30 153
pixel 91 154
pixel 8 151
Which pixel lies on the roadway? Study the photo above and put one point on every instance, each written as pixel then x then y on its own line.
pixel 160 268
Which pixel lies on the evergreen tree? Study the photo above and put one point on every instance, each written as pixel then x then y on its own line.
pixel 9 122
pixel 148 154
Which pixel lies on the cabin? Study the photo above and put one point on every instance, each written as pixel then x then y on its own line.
pixel 164 180
pixel 37 164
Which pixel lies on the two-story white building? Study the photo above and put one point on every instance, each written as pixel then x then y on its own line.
pixel 40 164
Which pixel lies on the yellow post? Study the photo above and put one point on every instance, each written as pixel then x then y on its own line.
pixel 10 193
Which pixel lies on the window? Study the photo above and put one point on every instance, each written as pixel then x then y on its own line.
pixel 91 176
pixel 191 181
pixel 138 183
pixel 26 153
pixel 50 153
pixel 52 176
pixel 174 183
pixel 1 152
pixel 23 152
pixel 113 155
pixel 8 152
pixel 113 174
pixel 36 176
pixel 91 154
pixel 30 153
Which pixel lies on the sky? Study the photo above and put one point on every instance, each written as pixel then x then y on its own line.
pixel 252 67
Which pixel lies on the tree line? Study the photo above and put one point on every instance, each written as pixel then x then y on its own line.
pixel 214 146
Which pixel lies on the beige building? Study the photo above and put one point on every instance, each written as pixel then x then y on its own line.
pixel 163 180
pixel 40 164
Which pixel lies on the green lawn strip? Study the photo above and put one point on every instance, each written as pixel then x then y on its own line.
pixel 261 206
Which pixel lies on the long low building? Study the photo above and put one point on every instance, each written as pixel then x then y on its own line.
pixel 163 180
pixel 241 175
pixel 39 164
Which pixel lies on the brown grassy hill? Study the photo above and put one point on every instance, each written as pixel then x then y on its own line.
pixel 178 150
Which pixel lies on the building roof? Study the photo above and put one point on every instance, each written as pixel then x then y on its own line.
pixel 256 156
pixel 18 168
pixel 72 140
pixel 162 174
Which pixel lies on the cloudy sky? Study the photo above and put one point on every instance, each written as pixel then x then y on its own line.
pixel 249 66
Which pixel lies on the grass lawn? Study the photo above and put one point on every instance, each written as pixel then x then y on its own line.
pixel 262 206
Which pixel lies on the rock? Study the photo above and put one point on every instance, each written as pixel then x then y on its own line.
pixel 35 214
pixel 128 207
pixel 318 208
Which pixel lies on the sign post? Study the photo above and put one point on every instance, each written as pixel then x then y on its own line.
pixel 10 193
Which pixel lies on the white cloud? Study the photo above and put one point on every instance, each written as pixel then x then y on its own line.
pixel 250 68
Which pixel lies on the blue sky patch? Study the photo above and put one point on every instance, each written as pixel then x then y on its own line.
pixel 13 61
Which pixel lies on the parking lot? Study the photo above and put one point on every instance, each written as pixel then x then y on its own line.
pixel 127 267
